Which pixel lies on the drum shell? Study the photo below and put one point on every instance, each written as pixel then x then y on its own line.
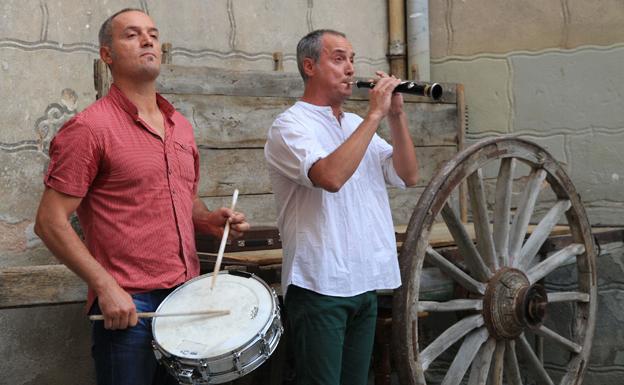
pixel 230 365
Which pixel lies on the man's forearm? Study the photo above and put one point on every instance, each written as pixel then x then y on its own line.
pixel 61 239
pixel 333 171
pixel 404 157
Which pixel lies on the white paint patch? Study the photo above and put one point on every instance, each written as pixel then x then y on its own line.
pixel 615 177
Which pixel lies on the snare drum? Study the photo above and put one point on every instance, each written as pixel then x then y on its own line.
pixel 202 350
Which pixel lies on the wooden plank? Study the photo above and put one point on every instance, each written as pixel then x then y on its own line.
pixel 223 170
pixel 243 121
pixel 259 209
pixel 221 81
pixel 40 285
pixel 429 124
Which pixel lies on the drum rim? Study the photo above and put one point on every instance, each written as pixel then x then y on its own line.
pixel 267 325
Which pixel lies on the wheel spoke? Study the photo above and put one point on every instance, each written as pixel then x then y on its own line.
pixel 467 352
pixel 485 243
pixel 535 366
pixel 448 338
pixel 558 259
pixel 455 272
pixel 561 340
pixel 481 364
pixel 568 296
pixel 464 243
pixel 540 234
pixel 512 369
pixel 525 210
pixel 502 209
pixel 496 374
pixel 453 305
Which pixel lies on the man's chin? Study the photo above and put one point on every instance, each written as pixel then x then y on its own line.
pixel 149 73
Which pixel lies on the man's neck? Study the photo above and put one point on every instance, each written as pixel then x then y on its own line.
pixel 142 95
pixel 318 99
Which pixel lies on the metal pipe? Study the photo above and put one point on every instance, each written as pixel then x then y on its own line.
pixel 418 39
pixel 396 38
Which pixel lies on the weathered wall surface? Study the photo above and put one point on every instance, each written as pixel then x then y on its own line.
pixel 548 71
pixel 47 50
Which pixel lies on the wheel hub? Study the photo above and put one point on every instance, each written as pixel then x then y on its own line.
pixel 511 304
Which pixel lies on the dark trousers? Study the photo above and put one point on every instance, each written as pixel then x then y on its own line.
pixel 125 357
pixel 332 337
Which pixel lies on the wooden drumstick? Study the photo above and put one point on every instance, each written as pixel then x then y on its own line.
pixel 226 231
pixel 208 313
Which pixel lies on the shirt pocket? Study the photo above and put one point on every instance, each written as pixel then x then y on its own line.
pixel 186 161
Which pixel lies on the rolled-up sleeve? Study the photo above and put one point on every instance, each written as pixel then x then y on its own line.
pixel 292 151
pixel 74 159
pixel 384 151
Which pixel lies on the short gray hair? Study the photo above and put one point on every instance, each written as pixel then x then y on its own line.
pixel 106 30
pixel 310 47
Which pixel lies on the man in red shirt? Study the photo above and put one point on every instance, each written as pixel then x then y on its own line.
pixel 128 165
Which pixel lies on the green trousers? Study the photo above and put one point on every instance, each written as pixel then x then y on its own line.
pixel 331 337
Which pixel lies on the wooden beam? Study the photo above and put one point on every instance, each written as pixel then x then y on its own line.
pixel 40 285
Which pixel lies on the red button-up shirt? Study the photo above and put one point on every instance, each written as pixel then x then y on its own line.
pixel 137 190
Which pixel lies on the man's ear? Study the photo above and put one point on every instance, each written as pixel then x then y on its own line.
pixel 106 55
pixel 309 66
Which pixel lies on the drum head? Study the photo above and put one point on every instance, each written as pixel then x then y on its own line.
pixel 250 304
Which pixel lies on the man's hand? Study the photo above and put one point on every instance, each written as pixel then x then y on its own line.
pixel 213 222
pixel 238 222
pixel 117 307
pixel 382 98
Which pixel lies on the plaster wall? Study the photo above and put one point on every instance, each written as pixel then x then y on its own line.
pixel 548 71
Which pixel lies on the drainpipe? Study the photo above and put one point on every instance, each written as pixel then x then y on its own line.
pixel 418 39
pixel 396 38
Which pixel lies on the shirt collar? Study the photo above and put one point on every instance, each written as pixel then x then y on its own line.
pixel 115 93
pixel 326 110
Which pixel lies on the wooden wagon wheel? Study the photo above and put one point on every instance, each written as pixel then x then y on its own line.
pixel 502 312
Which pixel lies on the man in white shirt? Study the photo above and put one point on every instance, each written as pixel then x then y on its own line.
pixel 329 172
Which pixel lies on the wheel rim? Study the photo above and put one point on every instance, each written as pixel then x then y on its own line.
pixel 502 311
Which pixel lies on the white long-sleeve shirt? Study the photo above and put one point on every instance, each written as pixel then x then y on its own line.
pixel 339 244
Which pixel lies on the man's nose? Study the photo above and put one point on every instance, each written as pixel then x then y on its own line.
pixel 147 40
pixel 350 68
